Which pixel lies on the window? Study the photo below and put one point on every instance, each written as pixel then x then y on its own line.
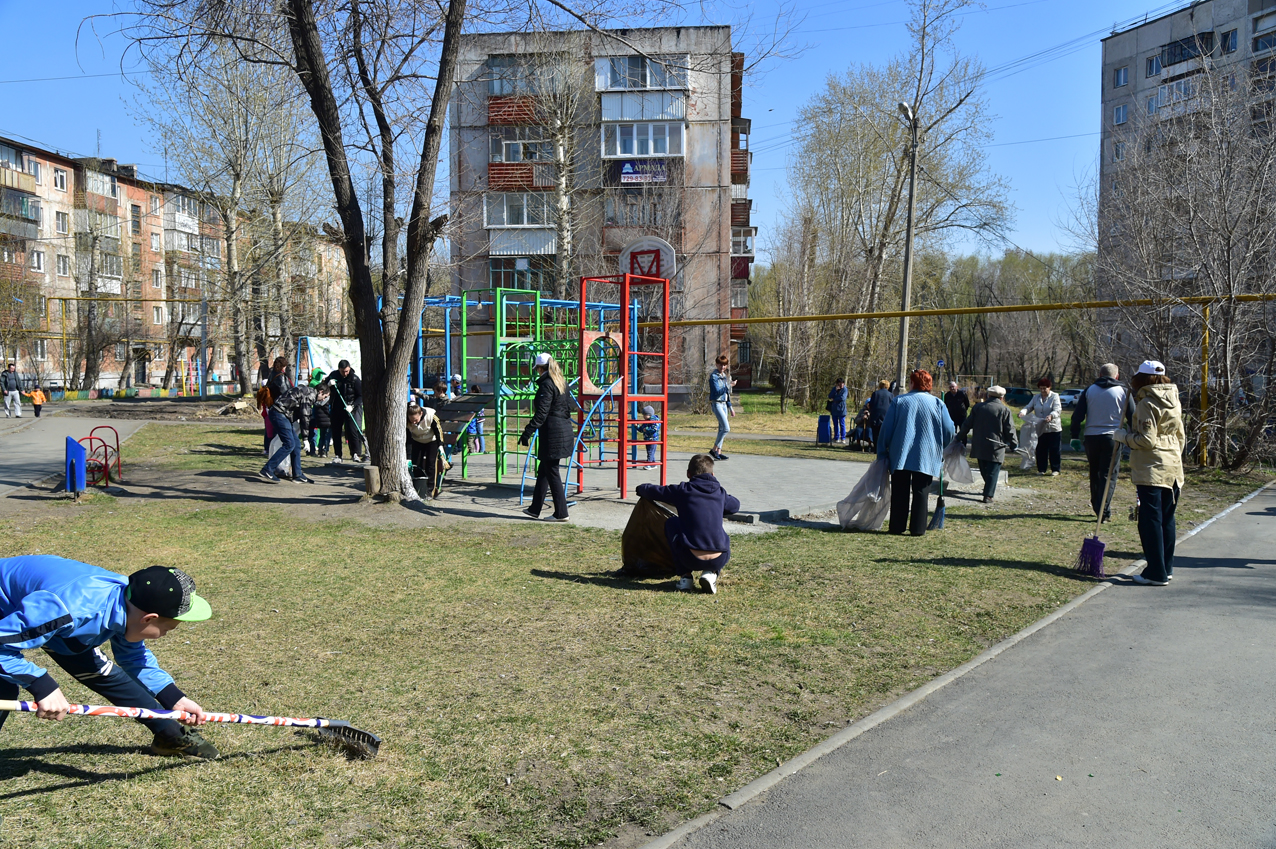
pixel 156 245
pixel 509 272
pixel 63 222
pixel 157 278
pixel 744 352
pixel 1265 42
pixel 636 208
pixel 506 75
pixel 37 260
pixel 742 241
pixel 520 144
pixel 1152 105
pixel 59 179
pixel 1187 48
pixel 40 349
pixel 10 158
pixel 64 265
pixel 1176 92
pixel 213 247
pixel 8 254
pixel 1227 41
pixel 739 295
pixel 635 72
pixel 121 352
pixel 519 209
pixel 157 315
pixel 1120 114
pixel 637 140
pixel 1118 151
pixel 135 214
pixel 187 206
pixel 101 184
pixel 190 280
pixel 35 212
pixel 112 265
pixel 137 257
pixel 1120 77
pixel 34 169
pixel 1153 66
pixel 155 204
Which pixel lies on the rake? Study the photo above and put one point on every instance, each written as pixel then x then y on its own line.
pixel 1090 560
pixel 356 743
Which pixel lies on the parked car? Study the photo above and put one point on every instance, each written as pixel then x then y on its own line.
pixel 1070 397
pixel 1018 396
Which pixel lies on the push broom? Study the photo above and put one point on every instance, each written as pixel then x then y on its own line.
pixel 356 743
pixel 1090 560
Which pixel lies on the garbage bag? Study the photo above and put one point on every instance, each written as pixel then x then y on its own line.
pixel 956 469
pixel 644 551
pixel 1028 440
pixel 285 465
pixel 866 507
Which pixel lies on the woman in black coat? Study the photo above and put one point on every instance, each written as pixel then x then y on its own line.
pixel 551 418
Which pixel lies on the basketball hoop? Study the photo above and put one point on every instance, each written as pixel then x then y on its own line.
pixel 649 256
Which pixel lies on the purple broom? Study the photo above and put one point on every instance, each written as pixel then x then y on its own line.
pixel 1090 560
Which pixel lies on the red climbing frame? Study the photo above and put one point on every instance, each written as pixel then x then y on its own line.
pixel 100 455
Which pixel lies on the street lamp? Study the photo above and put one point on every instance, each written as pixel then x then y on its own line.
pixel 911 118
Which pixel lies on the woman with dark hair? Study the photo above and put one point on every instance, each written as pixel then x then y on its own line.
pixel 552 421
pixel 1049 412
pixel 720 384
pixel 912 438
pixel 1156 438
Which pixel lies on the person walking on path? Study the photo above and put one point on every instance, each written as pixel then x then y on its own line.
pixel 837 409
pixel 38 399
pixel 1049 409
pixel 720 384
pixel 957 402
pixel 992 429
pixel 347 410
pixel 879 404
pixel 295 405
pixel 552 420
pixel 12 389
pixel 70 609
pixel 1100 407
pixel 916 429
pixel 1156 438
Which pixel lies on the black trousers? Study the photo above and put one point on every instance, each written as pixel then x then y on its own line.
pixel 906 485
pixel 1157 528
pixel 1098 453
pixel 1049 447
pixel 549 477
pixel 683 560
pixel 424 456
pixel 99 673
pixel 991 473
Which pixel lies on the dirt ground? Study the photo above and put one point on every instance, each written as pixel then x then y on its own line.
pixel 160 409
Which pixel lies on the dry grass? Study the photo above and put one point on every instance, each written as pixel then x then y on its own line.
pixel 526 698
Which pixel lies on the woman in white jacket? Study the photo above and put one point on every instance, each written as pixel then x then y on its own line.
pixel 1049 410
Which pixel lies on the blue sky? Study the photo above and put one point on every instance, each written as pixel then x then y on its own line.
pixel 1054 97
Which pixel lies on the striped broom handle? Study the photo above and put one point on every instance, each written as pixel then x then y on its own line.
pixel 179 715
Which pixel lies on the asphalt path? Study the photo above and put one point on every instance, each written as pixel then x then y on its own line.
pixel 1142 718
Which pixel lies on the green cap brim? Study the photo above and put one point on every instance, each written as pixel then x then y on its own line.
pixel 199 611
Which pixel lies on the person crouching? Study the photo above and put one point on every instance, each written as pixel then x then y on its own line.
pixel 424 439
pixel 696 537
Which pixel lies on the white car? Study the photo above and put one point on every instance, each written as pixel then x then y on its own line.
pixel 1069 398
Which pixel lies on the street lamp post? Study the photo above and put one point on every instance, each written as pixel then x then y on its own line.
pixel 901 373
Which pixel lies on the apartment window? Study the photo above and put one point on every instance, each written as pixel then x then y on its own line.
pixel 189 279
pixel 509 272
pixel 1201 44
pixel 1227 41
pixel 638 140
pixel 636 208
pixel 63 222
pixel 519 209
pixel 1152 105
pixel 637 72
pixel 507 75
pixel 8 254
pixel 156 244
pixel 112 265
pixel 34 169
pixel 59 179
pixel 1121 114
pixel 1118 151
pixel 157 315
pixel 40 349
pixel 37 260
pixel 10 158
pixel 744 351
pixel 64 265
pixel 102 184
pixel 1153 66
pixel 742 241
pixel 137 257
pixel 135 215
pixel 187 206
pixel 739 296
pixel 121 352
pixel 155 204
pixel 213 247
pixel 1265 42
pixel 157 278
pixel 520 144
pixel 1120 77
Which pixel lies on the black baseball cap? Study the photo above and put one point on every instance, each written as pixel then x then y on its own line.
pixel 167 592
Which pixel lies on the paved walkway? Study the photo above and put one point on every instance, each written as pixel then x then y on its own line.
pixel 32 449
pixel 1142 718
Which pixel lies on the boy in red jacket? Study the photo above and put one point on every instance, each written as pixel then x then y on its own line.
pixel 696 536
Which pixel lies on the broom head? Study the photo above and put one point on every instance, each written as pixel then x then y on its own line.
pixel 1090 561
pixel 356 744
pixel 937 519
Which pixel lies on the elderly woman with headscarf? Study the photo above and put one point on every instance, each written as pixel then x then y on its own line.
pixel 993 432
pixel 912 439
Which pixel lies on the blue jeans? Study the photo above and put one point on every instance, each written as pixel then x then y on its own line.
pixel 720 412
pixel 289 444
pixel 1156 529
pixel 839 428
pixel 476 436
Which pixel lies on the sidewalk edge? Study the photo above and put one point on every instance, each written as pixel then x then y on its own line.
pixel 765 782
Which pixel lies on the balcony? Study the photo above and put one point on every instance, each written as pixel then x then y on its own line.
pixel 740 166
pixel 11 178
pixel 519 176
pixel 740 210
pixel 742 241
pixel 510 109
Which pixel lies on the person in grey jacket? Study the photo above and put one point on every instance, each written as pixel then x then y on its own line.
pixel 1100 407
pixel 12 390
pixel 993 431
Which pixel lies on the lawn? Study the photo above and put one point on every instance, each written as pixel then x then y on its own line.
pixel 525 696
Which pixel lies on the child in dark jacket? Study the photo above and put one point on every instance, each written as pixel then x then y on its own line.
pixel 650 430
pixel 696 536
pixel 320 436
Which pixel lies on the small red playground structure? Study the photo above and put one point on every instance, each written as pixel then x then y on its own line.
pixel 623 368
pixel 90 458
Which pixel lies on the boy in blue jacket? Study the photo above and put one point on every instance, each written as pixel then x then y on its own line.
pixel 696 537
pixel 70 609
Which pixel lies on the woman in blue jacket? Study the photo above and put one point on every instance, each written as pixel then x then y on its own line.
pixel 720 384
pixel 837 409
pixel 913 436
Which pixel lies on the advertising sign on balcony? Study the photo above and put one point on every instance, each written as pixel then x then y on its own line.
pixel 643 171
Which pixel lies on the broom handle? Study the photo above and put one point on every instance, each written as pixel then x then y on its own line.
pixel 1112 467
pixel 179 715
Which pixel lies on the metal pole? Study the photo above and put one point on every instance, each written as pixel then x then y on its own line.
pixel 1205 383
pixel 908 251
pixel 203 347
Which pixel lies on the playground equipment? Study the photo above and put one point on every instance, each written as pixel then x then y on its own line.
pixel 89 460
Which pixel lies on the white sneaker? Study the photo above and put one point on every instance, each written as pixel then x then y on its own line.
pixel 709 582
pixel 684 584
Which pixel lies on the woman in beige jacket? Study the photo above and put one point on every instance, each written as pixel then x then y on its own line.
pixel 1156 466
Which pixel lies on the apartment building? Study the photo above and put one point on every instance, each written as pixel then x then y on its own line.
pixel 93 255
pixel 568 148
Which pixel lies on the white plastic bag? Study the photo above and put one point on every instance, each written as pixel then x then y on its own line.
pixel 1028 441
pixel 865 509
pixel 956 469
pixel 285 465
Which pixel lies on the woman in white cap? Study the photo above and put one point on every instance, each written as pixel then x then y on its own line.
pixel 1156 439
pixel 552 420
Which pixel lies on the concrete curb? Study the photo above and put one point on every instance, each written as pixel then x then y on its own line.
pixel 765 782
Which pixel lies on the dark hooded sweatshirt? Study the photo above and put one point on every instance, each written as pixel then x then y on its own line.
pixel 701 503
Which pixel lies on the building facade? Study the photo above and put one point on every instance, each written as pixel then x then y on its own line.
pixel 567 148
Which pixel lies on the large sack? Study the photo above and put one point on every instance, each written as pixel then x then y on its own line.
pixel 956 469
pixel 1028 440
pixel 865 509
pixel 285 465
pixel 643 547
